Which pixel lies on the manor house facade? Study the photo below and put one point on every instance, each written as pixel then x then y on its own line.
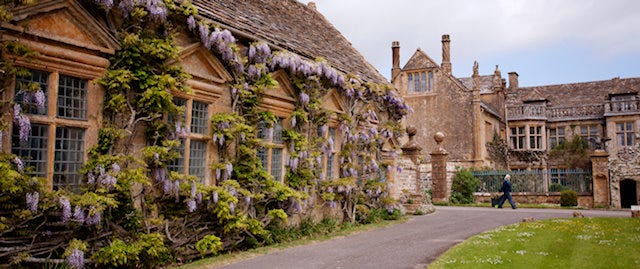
pixel 531 120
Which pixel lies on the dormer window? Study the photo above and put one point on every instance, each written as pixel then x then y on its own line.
pixel 420 82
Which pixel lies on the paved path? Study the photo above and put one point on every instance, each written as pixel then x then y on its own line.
pixel 413 244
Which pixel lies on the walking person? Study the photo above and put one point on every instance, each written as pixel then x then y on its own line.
pixel 506 189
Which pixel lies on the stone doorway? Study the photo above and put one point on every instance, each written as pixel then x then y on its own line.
pixel 628 193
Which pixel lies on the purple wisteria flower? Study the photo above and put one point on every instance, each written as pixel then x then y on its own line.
pixel 66 209
pixel 247 199
pixel 191 205
pixel 191 21
pixel 193 189
pixel 115 168
pixel 95 218
pixel 214 197
pixel 232 208
pixel 293 121
pixel 126 6
pixel 23 122
pixel 39 99
pixel 228 169
pixel 332 204
pixel 32 201
pixel 19 164
pixel 304 98
pixel 258 53
pixel 76 259
pixel 218 172
pixel 167 187
pixel 78 214
pixel 157 10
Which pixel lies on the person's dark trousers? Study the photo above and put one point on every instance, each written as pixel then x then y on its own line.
pixel 496 200
pixel 507 196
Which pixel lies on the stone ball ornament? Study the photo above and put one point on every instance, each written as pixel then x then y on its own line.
pixel 439 137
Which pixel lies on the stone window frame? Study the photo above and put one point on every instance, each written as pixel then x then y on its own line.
pixel 425 82
pixel 517 137
pixel 625 133
pixel 590 134
pixel 272 143
pixel 557 136
pixel 327 167
pixel 50 143
pixel 535 137
pixel 195 140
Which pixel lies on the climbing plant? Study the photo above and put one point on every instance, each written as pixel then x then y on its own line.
pixel 134 211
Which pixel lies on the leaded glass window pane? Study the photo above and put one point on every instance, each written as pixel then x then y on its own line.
pixel 262 154
pixel 199 117
pixel 423 82
pixel 177 164
pixel 276 163
pixel 72 98
pixel 69 155
pixel 197 159
pixel 33 152
pixel 277 132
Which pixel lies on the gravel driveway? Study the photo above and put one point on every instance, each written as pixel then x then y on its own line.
pixel 413 244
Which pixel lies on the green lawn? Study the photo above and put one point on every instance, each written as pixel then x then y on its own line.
pixel 557 243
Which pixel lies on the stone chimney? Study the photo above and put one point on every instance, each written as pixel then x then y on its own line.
pixel 446 55
pixel 395 61
pixel 513 81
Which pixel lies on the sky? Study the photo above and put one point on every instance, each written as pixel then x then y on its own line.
pixel 545 41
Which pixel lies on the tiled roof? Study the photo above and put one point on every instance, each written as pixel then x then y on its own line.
pixel 579 94
pixel 486 83
pixel 293 26
pixel 420 60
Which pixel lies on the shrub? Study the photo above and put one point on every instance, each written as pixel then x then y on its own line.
pixel 555 187
pixel 463 187
pixel 568 198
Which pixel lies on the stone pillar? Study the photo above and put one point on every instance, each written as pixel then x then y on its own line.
pixel 600 172
pixel 439 170
pixel 411 149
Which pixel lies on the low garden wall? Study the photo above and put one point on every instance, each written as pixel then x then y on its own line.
pixel 584 200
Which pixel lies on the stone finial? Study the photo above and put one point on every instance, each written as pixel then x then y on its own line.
pixel 439 137
pixel 411 148
pixel 475 68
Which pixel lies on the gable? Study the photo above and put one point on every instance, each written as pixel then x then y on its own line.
pixel 202 65
pixel 420 60
pixel 281 99
pixel 64 21
pixel 332 102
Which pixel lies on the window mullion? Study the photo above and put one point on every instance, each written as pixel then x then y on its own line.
pixel 52 107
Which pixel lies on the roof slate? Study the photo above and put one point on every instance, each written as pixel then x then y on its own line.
pixel 579 94
pixel 293 26
pixel 486 83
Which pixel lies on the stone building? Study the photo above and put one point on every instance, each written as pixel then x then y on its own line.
pixel 74 45
pixel 468 111
pixel 606 114
pixel 531 120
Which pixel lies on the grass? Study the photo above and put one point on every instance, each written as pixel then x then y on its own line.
pixel 232 257
pixel 557 243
